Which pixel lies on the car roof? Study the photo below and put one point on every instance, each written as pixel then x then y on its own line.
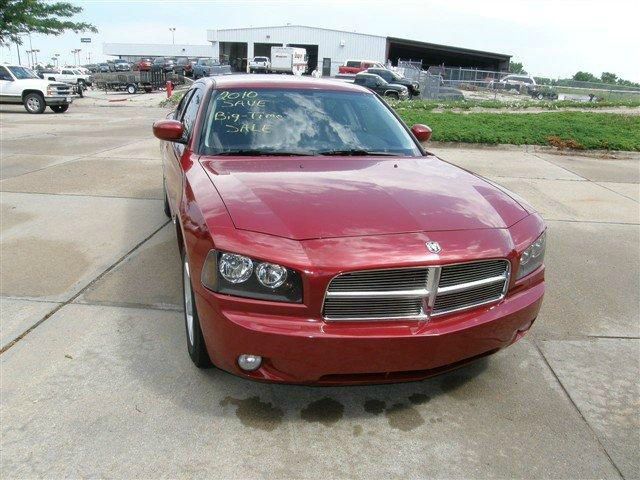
pixel 282 81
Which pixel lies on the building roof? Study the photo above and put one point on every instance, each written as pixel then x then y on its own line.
pixel 297 26
pixel 448 48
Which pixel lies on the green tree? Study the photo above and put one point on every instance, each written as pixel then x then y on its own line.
pixel 517 67
pixel 18 17
pixel 608 77
pixel 585 77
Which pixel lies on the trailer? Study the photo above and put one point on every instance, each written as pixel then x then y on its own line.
pixel 133 81
pixel 288 60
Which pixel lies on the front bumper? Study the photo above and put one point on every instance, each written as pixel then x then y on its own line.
pixel 68 100
pixel 308 351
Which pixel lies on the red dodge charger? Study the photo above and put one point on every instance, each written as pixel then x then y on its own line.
pixel 322 244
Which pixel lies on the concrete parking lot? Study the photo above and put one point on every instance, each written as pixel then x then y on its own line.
pixel 96 380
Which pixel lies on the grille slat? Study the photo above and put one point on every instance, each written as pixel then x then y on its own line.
pixel 383 294
pixel 452 275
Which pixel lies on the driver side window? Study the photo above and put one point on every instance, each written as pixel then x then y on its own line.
pixel 181 106
pixel 4 75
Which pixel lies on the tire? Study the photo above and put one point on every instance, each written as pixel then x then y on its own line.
pixel 393 95
pixel 167 208
pixel 34 103
pixel 59 108
pixel 195 341
pixel 132 88
pixel 540 96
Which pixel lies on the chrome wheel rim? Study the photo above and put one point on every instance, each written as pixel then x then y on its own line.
pixel 188 304
pixel 33 104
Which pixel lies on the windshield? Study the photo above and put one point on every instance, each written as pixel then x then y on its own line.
pixel 306 122
pixel 22 73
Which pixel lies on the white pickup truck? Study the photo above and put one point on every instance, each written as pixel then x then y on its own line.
pixel 260 64
pixel 67 75
pixel 21 86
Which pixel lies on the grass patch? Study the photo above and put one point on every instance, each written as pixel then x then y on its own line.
pixel 580 130
pixel 173 100
pixel 430 105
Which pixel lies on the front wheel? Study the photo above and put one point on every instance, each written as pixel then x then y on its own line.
pixel 59 108
pixel 393 95
pixel 195 341
pixel 132 88
pixel 34 103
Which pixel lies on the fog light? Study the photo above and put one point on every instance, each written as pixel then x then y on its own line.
pixel 249 363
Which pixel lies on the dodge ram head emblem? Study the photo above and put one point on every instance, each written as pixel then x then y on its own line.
pixel 433 247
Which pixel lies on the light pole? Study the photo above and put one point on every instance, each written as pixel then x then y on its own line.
pixel 56 59
pixel 29 57
pixel 173 35
pixel 35 54
pixel 76 51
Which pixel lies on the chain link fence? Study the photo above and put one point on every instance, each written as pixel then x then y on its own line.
pixel 439 82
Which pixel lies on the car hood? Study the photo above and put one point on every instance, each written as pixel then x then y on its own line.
pixel 326 197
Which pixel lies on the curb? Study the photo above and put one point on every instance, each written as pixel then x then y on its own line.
pixel 606 154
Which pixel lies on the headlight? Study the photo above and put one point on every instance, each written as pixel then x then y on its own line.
pixel 271 275
pixel 242 276
pixel 235 268
pixel 533 257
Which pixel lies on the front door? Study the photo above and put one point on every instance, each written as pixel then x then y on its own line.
pixel 326 67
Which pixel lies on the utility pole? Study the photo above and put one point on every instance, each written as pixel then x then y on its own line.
pixel 173 35
pixel 18 48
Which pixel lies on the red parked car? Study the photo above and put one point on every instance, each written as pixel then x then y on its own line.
pixel 142 65
pixel 322 244
pixel 351 67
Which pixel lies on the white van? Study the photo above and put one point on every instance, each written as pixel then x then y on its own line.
pixel 288 60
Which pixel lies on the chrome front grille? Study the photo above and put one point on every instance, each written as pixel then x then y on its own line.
pixel 61 89
pixel 415 293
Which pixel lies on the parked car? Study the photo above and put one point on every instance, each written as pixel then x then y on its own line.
pixel 381 86
pixel 206 67
pixel 519 83
pixel 92 67
pixel 396 79
pixel 163 63
pixel 104 67
pixel 21 86
pixel 142 65
pixel 183 67
pixel 351 67
pixel 260 65
pixel 324 245
pixel 122 65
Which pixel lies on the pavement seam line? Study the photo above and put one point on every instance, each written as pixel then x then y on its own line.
pixel 595 182
pixel 568 395
pixel 611 190
pixel 77 195
pixel 82 290
pixel 546 219
pixel 75 159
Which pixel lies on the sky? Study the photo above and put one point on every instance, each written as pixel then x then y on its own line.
pixel 551 38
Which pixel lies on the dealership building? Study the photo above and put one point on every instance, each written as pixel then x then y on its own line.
pixel 327 49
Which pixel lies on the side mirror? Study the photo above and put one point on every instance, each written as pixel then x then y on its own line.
pixel 421 132
pixel 169 130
